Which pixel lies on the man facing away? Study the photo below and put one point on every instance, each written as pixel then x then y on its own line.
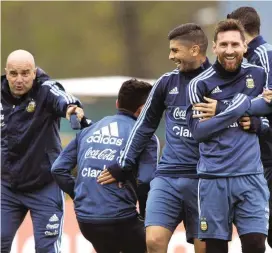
pixel 107 214
pixel 31 108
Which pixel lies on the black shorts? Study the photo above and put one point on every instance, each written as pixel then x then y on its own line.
pixel 125 236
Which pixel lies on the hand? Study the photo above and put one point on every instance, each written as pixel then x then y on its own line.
pixel 207 109
pixel 74 109
pixel 267 95
pixel 245 122
pixel 105 177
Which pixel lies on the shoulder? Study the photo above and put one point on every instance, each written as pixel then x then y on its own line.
pixel 166 77
pixel 205 75
pixel 252 68
pixel 52 85
pixel 86 130
pixel 264 53
pixel 258 73
pixel 264 48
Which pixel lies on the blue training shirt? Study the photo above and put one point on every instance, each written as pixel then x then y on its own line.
pixel 181 152
pixel 93 150
pixel 225 149
pixel 260 53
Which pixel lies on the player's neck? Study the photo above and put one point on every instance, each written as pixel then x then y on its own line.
pixel 199 62
pixel 249 38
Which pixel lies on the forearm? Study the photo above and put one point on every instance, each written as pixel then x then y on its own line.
pixel 203 131
pixel 65 181
pixel 259 107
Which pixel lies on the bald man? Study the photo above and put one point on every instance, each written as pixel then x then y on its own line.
pixel 31 108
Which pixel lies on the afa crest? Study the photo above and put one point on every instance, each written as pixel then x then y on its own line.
pixel 203 224
pixel 31 106
pixel 250 82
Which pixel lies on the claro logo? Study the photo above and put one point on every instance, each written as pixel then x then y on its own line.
pixel 182 131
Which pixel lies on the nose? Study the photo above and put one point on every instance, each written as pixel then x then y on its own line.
pixel 229 50
pixel 171 56
pixel 19 78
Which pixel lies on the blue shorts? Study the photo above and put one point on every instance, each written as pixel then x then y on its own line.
pixel 268 176
pixel 242 200
pixel 46 211
pixel 172 200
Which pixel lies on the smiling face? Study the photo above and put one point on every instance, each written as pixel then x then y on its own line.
pixel 183 55
pixel 230 48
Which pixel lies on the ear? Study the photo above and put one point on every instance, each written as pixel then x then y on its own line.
pixel 195 50
pixel 6 71
pixel 214 47
pixel 117 104
pixel 35 72
pixel 137 113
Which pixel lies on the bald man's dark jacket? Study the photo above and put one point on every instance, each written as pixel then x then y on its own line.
pixel 30 125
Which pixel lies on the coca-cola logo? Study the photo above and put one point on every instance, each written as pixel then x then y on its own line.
pixel 105 154
pixel 179 113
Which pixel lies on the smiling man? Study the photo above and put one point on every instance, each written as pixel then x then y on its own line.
pixel 232 187
pixel 173 194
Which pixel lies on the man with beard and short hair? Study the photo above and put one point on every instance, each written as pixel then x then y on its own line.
pixel 259 52
pixel 173 194
pixel 232 187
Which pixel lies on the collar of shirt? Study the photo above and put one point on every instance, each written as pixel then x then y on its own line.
pixel 126 113
pixel 11 99
pixel 252 45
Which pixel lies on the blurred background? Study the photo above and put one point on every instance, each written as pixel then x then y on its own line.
pixel 92 47
pixel 76 39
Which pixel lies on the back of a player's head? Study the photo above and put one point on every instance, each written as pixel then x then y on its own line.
pixel 229 25
pixel 133 94
pixel 191 33
pixel 249 18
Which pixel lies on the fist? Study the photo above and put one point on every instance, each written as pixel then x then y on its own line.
pixel 74 109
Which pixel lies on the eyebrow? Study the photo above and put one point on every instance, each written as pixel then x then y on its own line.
pixel 24 70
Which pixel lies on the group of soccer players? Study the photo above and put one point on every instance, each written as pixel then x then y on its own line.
pixel 218 148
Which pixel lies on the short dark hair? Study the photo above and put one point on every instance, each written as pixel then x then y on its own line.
pixel 132 94
pixel 192 33
pixel 229 25
pixel 249 18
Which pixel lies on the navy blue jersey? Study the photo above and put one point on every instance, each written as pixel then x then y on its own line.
pixel 93 150
pixel 260 53
pixel 226 149
pixel 30 139
pixel 181 152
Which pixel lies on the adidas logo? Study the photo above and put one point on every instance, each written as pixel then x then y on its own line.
pixel 216 90
pixel 54 218
pixel 107 135
pixel 174 91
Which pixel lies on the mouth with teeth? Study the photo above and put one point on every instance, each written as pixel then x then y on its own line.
pixel 231 62
pixel 177 63
pixel 230 58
